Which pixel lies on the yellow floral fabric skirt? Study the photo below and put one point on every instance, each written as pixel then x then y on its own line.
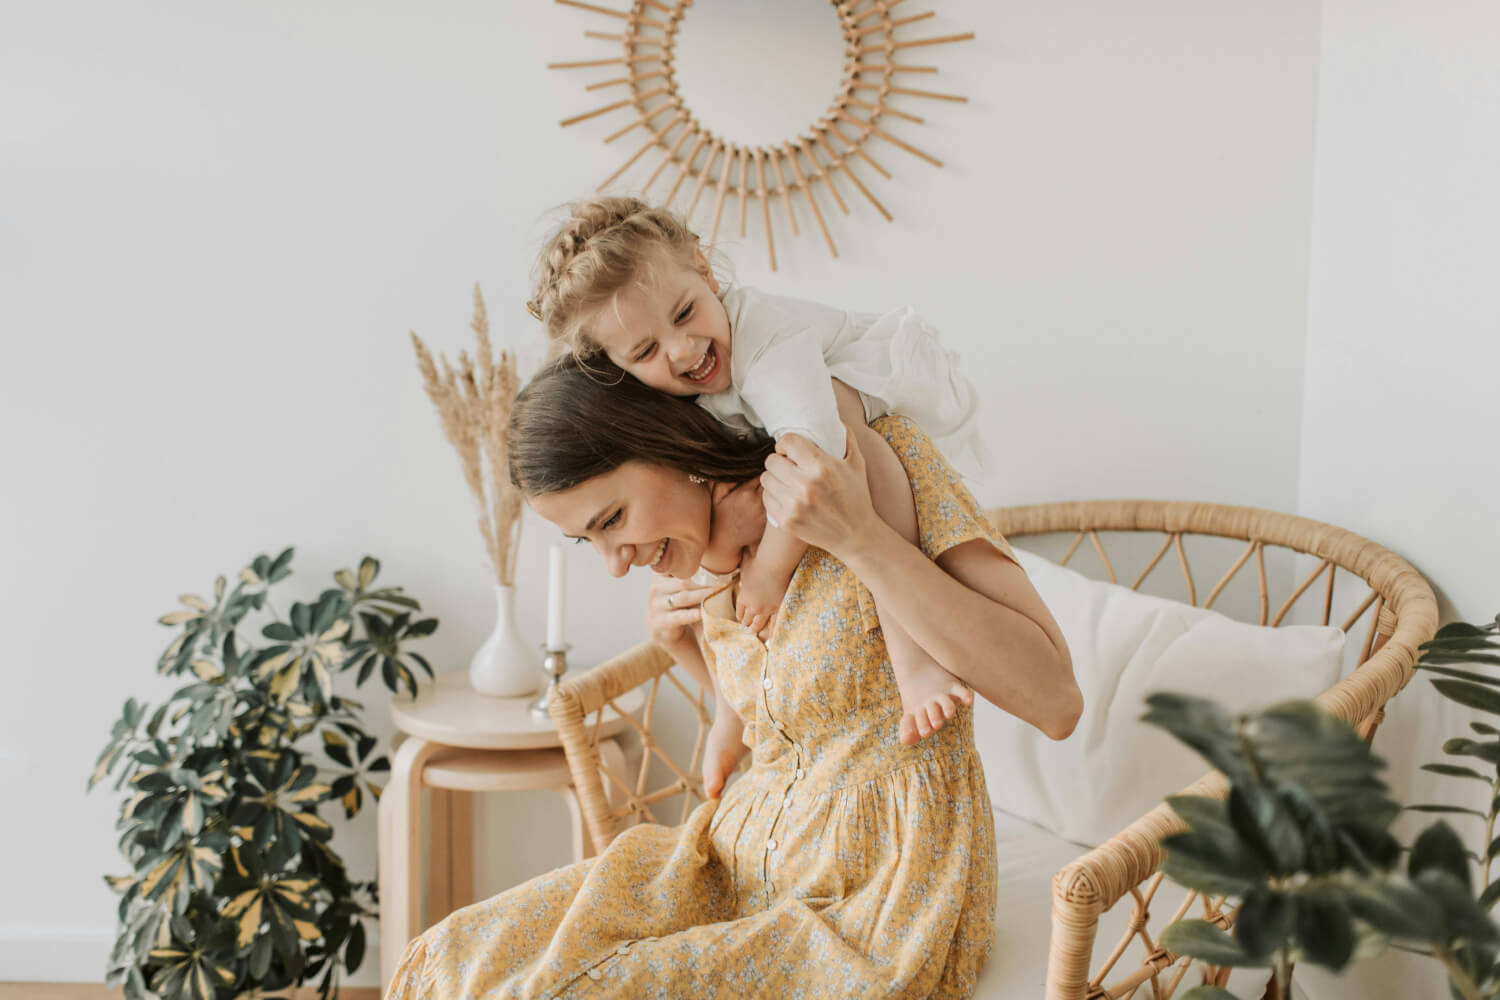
pixel 841 864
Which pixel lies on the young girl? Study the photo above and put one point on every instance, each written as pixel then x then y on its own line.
pixel 631 281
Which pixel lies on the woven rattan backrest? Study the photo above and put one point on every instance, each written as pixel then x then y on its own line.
pixel 1374 591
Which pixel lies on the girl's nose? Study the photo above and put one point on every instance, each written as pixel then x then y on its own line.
pixel 683 349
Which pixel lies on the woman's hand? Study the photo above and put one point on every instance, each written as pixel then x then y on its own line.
pixel 672 610
pixel 824 501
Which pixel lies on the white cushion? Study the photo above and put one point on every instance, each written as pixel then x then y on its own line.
pixel 1017 968
pixel 1124 646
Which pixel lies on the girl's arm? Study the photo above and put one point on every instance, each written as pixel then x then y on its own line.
pixel 973 610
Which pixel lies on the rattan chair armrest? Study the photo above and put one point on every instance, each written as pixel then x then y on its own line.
pixel 1099 879
pixel 577 698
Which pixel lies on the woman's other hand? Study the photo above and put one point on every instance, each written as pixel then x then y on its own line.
pixel 672 609
pixel 824 501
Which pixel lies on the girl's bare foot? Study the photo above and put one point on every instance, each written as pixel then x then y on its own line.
pixel 723 749
pixel 930 695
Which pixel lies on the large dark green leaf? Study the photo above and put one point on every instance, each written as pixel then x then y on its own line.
pixel 1462 747
pixel 1202 725
pixel 1462 918
pixel 1439 848
pixel 1472 695
pixel 1324 927
pixel 1209 993
pixel 1455 771
pixel 1263 822
pixel 1264 921
pixel 1212 861
pixel 1200 812
pixel 1399 911
pixel 1209 942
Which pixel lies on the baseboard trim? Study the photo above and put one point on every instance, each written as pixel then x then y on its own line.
pixel 98 991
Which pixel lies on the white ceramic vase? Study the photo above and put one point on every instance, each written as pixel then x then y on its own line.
pixel 506 666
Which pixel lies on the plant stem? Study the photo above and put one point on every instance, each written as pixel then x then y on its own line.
pixel 1489 825
pixel 1458 977
pixel 1283 973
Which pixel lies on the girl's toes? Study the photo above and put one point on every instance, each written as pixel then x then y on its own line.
pixel 964 693
pixel 908 730
pixel 945 704
pixel 935 717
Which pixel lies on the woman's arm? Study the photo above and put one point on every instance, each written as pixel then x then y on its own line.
pixel 973 610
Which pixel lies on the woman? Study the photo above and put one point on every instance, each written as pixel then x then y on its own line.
pixel 841 863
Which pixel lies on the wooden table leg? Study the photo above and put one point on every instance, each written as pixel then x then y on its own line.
pixel 460 851
pixel 400 868
pixel 439 872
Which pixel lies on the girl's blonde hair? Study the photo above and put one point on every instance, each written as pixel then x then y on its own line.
pixel 603 246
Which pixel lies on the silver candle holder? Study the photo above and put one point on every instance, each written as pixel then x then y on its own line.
pixel 554 664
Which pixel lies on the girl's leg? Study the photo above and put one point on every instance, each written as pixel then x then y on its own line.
pixel 930 695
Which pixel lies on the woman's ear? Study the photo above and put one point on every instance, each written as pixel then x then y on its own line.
pixel 718 491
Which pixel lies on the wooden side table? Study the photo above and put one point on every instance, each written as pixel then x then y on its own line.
pixel 459 742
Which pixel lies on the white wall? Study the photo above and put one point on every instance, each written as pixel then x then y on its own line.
pixel 1400 419
pixel 219 221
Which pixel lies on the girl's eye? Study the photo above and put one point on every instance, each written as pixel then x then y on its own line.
pixel 644 355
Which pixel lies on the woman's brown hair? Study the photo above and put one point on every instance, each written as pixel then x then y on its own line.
pixel 577 420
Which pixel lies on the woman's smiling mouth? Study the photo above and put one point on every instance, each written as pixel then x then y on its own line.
pixel 661 551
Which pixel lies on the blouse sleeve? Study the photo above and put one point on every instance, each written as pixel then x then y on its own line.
pixel 947 513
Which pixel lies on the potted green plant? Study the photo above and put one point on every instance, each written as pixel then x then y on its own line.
pixel 235 887
pixel 1303 839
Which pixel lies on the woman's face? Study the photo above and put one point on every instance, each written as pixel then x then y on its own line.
pixel 639 514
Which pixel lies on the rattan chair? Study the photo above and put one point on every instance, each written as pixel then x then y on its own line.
pixel 1401 612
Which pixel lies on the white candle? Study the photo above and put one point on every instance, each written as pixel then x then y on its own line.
pixel 555 575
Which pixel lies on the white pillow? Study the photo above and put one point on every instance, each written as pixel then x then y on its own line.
pixel 1125 646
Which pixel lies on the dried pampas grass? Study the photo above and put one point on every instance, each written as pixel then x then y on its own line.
pixel 474 403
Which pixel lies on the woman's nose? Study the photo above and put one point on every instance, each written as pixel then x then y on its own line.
pixel 619 559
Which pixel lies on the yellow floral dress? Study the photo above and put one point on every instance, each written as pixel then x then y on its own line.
pixel 840 864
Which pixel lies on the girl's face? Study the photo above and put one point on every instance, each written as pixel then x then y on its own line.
pixel 669 330
pixel 636 515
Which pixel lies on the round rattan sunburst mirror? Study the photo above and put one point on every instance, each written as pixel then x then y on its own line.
pixel 693 157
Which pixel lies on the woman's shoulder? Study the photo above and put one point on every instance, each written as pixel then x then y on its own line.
pixel 947 513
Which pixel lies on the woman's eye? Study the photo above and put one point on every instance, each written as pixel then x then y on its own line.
pixel 682 316
pixel 614 519
pixel 579 541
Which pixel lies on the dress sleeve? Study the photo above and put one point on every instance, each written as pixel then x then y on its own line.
pixel 947 513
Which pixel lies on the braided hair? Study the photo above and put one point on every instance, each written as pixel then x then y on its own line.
pixel 602 247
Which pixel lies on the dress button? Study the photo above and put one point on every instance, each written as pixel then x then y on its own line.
pixel 595 974
pixel 770 845
pixel 766 683
pixel 801 773
pixel 787 801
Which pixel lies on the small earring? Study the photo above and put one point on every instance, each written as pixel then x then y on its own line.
pixel 696 480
